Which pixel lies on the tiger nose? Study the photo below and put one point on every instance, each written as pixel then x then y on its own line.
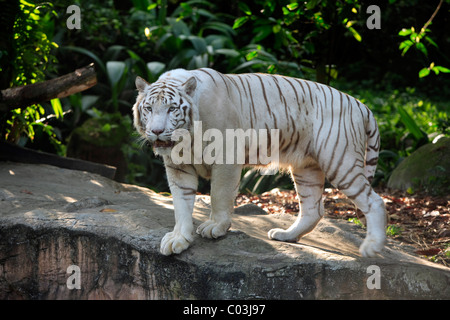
pixel 157 131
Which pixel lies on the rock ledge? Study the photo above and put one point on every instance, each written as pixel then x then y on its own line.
pixel 53 218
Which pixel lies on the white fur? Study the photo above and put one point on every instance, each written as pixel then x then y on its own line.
pixel 323 133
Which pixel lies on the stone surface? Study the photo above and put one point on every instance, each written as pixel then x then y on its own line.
pixel 426 169
pixel 52 218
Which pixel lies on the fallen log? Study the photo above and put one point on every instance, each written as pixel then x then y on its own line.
pixel 77 81
pixel 15 153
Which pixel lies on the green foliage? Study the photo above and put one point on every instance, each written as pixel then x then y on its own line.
pixel 415 40
pixel 357 222
pixel 100 25
pixel 194 37
pixel 115 76
pixel 253 182
pixel 393 230
pixel 406 121
pixel 105 129
pixel 298 34
pixel 436 69
pixel 317 39
pixel 33 31
pixel 31 58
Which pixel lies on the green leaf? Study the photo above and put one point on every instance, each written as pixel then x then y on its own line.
pixel 179 27
pixel 409 122
pixel 156 68
pixel 276 28
pixel 251 55
pixel 405 45
pixel 405 32
pixel 115 70
pixel 93 56
pixel 244 8
pixel 247 180
pixel 240 21
pixel 292 6
pixel 57 108
pixel 431 41
pixel 424 72
pixel 262 32
pixel 421 47
pixel 198 43
pixel 228 52
pixel 106 127
pixel 442 69
pixel 113 52
pixel 87 101
pixel 221 27
pixel 355 34
pixel 247 64
pixel 206 14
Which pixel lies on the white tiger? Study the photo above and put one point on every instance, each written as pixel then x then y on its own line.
pixel 322 133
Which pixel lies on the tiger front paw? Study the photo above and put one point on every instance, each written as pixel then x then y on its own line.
pixel 174 243
pixel 213 230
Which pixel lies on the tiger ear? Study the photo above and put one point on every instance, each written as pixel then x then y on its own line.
pixel 141 84
pixel 189 86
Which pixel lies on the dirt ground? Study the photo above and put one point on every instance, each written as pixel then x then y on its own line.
pixel 419 220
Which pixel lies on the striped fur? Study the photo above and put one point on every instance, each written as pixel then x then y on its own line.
pixel 323 133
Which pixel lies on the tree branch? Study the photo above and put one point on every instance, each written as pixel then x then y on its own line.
pixel 432 17
pixel 77 81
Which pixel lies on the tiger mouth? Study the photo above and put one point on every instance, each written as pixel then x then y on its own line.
pixel 163 144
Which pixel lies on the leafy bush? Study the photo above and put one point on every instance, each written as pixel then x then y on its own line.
pixel 406 120
pixel 30 59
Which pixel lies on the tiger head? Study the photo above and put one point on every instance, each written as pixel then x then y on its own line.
pixel 161 108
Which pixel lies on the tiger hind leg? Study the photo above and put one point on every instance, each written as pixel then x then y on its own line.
pixel 372 205
pixel 309 182
pixel 359 190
